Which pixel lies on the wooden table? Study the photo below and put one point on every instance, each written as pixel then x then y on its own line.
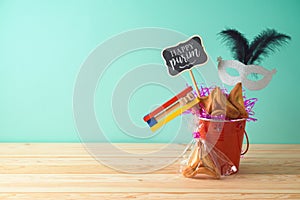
pixel 67 171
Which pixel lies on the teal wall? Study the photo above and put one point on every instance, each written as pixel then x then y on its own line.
pixel 44 43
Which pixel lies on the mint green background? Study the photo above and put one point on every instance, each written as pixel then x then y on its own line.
pixel 44 43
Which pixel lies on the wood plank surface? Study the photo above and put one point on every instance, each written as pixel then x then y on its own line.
pixel 68 171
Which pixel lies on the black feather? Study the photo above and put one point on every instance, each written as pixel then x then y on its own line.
pixel 237 42
pixel 266 42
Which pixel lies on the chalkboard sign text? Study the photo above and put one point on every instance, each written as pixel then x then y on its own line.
pixel 184 56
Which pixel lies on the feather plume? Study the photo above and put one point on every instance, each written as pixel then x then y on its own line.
pixel 268 41
pixel 237 42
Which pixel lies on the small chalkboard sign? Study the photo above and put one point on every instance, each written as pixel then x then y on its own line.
pixel 185 55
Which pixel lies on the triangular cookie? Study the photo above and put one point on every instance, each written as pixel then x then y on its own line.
pixel 236 99
pixel 200 162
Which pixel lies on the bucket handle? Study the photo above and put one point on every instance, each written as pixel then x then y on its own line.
pixel 247 145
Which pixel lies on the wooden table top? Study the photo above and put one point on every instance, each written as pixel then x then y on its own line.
pixel 68 171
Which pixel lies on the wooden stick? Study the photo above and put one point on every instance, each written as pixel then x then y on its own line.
pixel 194 82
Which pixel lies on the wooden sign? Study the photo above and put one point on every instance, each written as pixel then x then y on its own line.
pixel 184 56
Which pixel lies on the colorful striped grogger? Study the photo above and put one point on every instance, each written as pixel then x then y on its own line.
pixel 171 109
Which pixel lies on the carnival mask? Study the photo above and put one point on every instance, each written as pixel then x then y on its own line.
pixel 244 71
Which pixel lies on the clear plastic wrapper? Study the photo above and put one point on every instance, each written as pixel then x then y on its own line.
pixel 202 159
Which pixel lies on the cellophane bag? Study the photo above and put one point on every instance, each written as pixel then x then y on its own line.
pixel 202 159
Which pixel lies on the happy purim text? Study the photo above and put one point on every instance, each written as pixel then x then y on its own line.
pixel 183 55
